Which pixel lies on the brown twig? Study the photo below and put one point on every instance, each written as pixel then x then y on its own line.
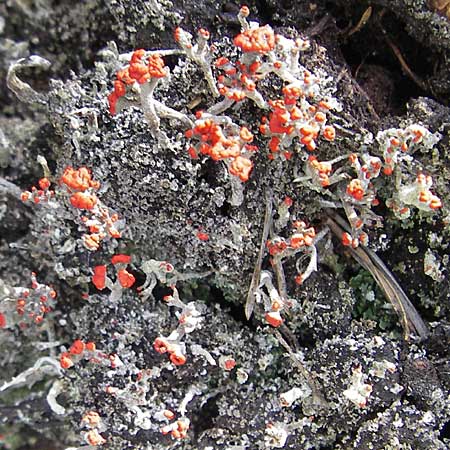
pixel 318 398
pixel 410 319
pixel 408 71
pixel 362 22
pixel 250 303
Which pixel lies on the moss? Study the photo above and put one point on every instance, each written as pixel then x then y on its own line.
pixel 371 304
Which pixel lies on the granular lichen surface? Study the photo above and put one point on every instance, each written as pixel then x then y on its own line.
pixel 171 179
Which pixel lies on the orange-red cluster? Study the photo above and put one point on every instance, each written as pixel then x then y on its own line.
pixel 43 306
pixel 78 179
pixel 220 146
pixel 425 196
pixel 137 71
pixel 76 349
pixel 177 430
pixel 124 277
pixel 276 246
pixel 367 171
pixel 101 223
pixel 236 78
pixel 288 119
pixel 30 305
pixel 259 40
pixel 322 170
pixel 82 200
pixel 301 237
pixel 91 418
pixel 349 241
pixel 279 247
pixel 273 318
pixel 93 437
pixel 399 143
pixel 43 194
pixel 99 277
pixel 162 345
pixel 356 189
pixel 178 35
